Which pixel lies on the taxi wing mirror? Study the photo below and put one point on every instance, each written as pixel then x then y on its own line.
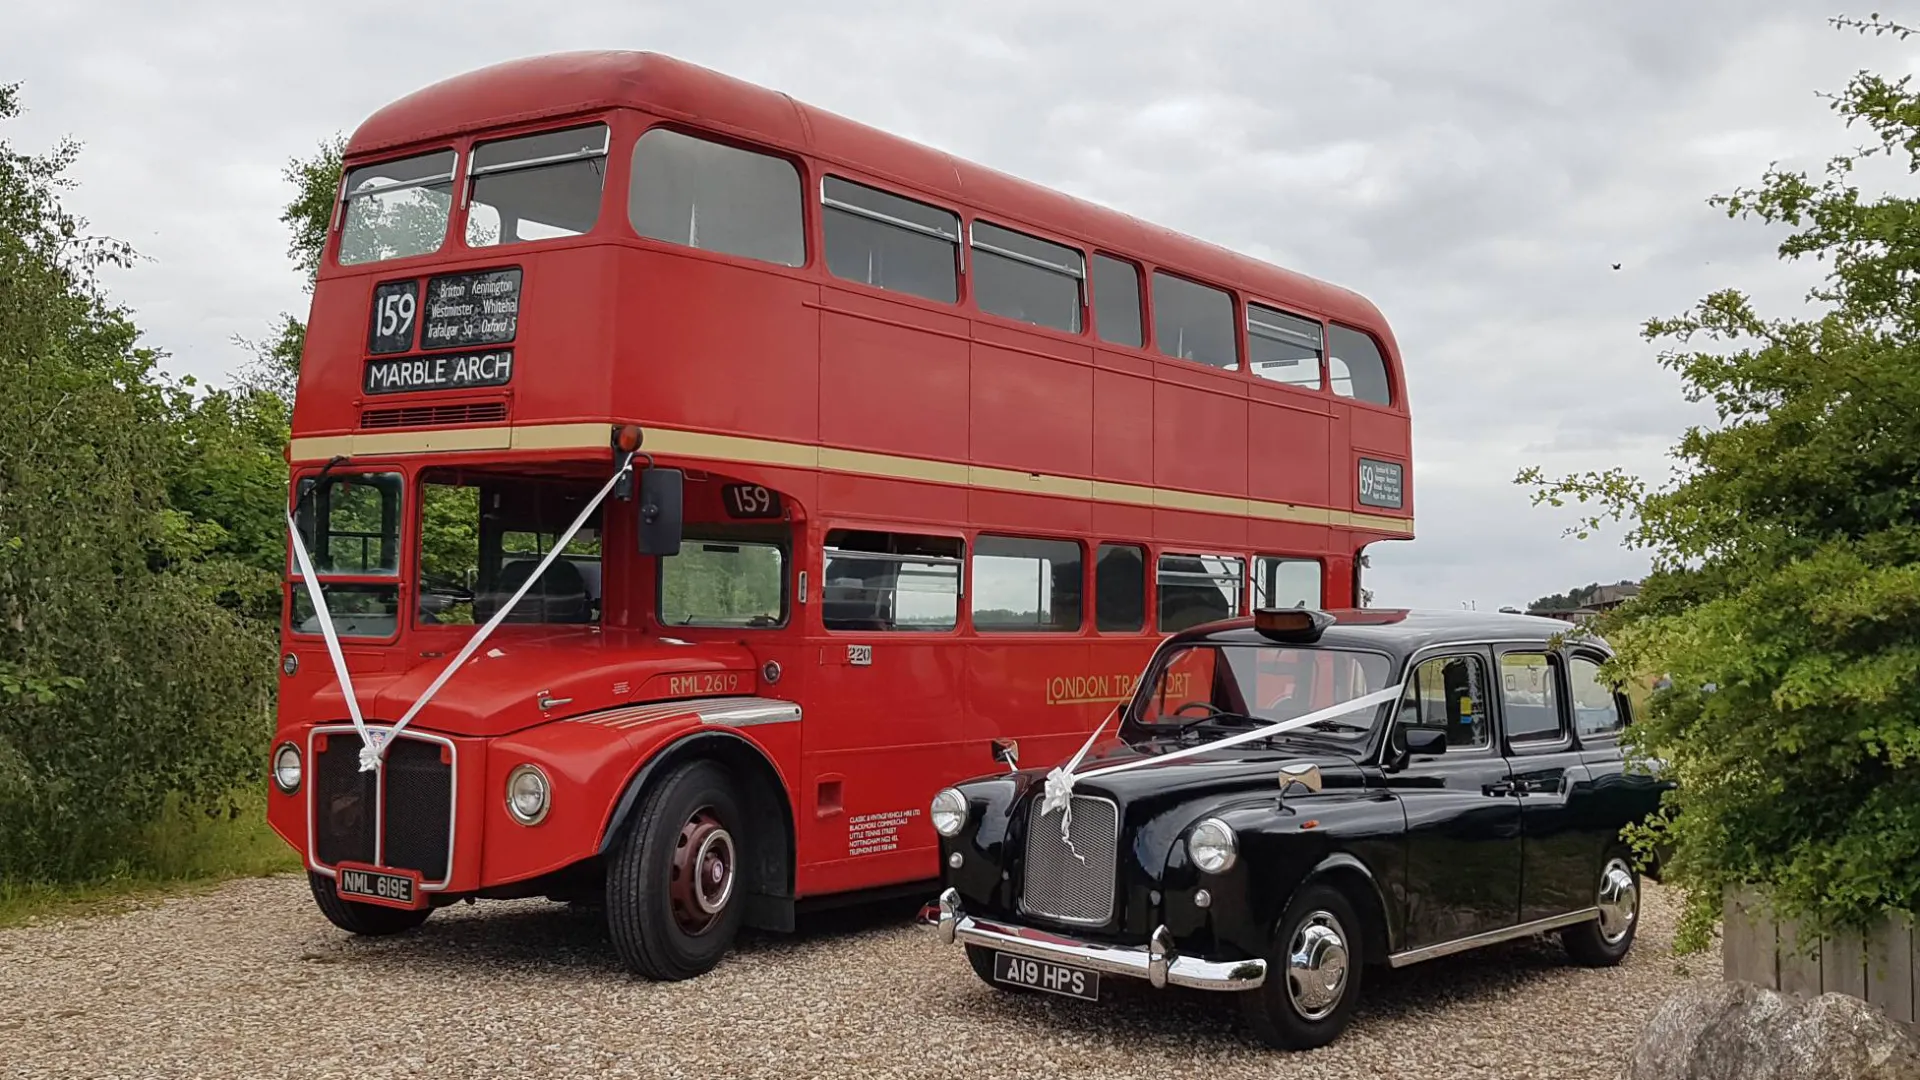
pixel 1299 774
pixel 660 511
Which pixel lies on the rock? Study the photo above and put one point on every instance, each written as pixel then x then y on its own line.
pixel 1739 1031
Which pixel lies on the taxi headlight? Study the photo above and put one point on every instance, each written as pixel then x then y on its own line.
pixel 528 794
pixel 286 768
pixel 949 812
pixel 1212 845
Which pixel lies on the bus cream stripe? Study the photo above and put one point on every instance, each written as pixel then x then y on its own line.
pixel 735 448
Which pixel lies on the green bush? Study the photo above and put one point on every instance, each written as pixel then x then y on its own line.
pixel 1784 603
pixel 132 673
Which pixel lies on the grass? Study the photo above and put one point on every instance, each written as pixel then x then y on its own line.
pixel 179 852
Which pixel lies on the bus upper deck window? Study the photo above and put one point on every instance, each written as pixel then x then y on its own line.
pixel 537 187
pixel 715 197
pixel 1193 321
pixel 1285 348
pixel 1359 371
pixel 397 208
pixel 883 240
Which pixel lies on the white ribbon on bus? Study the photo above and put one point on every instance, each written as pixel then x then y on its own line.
pixel 1058 794
pixel 372 754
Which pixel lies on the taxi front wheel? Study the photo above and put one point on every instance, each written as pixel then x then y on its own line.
pixel 1313 973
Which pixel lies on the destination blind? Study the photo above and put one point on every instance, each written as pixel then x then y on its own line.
pixel 464 310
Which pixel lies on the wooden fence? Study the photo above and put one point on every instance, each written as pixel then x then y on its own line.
pixel 1880 966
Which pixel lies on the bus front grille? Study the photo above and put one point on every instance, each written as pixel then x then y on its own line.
pixel 400 816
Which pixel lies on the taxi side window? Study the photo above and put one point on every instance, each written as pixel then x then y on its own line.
pixel 1596 708
pixel 1530 697
pixel 1448 693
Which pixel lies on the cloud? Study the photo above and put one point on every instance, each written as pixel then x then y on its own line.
pixel 1474 169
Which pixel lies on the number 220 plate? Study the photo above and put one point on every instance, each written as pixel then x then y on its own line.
pixel 1044 975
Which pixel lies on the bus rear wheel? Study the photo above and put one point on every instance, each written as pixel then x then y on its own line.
pixel 366 920
pixel 673 903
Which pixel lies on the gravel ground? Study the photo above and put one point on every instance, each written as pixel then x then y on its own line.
pixel 248 981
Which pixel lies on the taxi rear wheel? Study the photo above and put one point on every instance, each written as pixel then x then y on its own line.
pixel 673 903
pixel 366 920
pixel 1605 941
pixel 1313 972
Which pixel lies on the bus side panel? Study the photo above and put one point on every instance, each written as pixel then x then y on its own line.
pixel 1023 687
pixel 1200 431
pixel 893 378
pixel 881 737
pixel 1032 411
pixel 719 347
pixel 1288 448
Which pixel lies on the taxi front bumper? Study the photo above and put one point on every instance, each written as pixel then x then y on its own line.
pixel 1157 961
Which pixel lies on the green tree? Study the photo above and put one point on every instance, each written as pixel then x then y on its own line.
pixel 124 683
pixel 1784 604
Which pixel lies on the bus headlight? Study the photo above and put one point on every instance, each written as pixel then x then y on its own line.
pixel 1213 847
pixel 286 768
pixel 528 794
pixel 949 812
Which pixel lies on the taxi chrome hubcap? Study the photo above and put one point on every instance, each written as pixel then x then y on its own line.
pixel 1619 901
pixel 703 868
pixel 1317 965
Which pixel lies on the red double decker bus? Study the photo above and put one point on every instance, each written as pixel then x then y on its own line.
pixel 696 482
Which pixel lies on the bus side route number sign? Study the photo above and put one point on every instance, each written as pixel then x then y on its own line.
pixel 1380 483
pixel 448 371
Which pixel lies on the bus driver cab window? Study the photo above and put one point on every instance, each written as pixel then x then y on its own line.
pixel 484 534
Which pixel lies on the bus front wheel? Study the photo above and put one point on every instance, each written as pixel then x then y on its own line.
pixel 673 896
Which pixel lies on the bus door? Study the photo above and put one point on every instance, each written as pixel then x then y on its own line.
pixel 884 725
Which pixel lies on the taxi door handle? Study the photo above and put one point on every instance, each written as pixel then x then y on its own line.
pixel 1504 787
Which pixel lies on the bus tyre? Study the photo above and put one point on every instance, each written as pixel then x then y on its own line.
pixel 1604 941
pixel 673 903
pixel 1313 972
pixel 367 920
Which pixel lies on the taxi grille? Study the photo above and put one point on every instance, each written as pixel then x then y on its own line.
pixel 1059 886
pixel 408 825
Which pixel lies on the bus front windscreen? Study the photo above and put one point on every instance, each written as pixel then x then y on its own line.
pixel 395 209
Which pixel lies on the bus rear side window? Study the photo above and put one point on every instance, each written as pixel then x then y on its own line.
pixel 1199 588
pixel 1116 300
pixel 1285 583
pixel 1120 589
pixel 1193 322
pixel 1284 348
pixel 397 208
pixel 889 242
pixel 537 187
pixel 715 197
pixel 1359 371
pixel 1022 277
pixel 890 581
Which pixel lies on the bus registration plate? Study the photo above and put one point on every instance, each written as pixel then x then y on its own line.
pixel 1043 975
pixel 399 889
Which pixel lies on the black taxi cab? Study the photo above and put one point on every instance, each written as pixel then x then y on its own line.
pixel 1291 798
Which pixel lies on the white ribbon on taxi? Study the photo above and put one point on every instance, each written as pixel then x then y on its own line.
pixel 373 753
pixel 1058 794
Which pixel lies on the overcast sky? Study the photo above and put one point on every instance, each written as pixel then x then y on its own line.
pixel 1474 168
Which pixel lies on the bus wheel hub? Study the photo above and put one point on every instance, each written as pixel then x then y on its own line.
pixel 703 869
